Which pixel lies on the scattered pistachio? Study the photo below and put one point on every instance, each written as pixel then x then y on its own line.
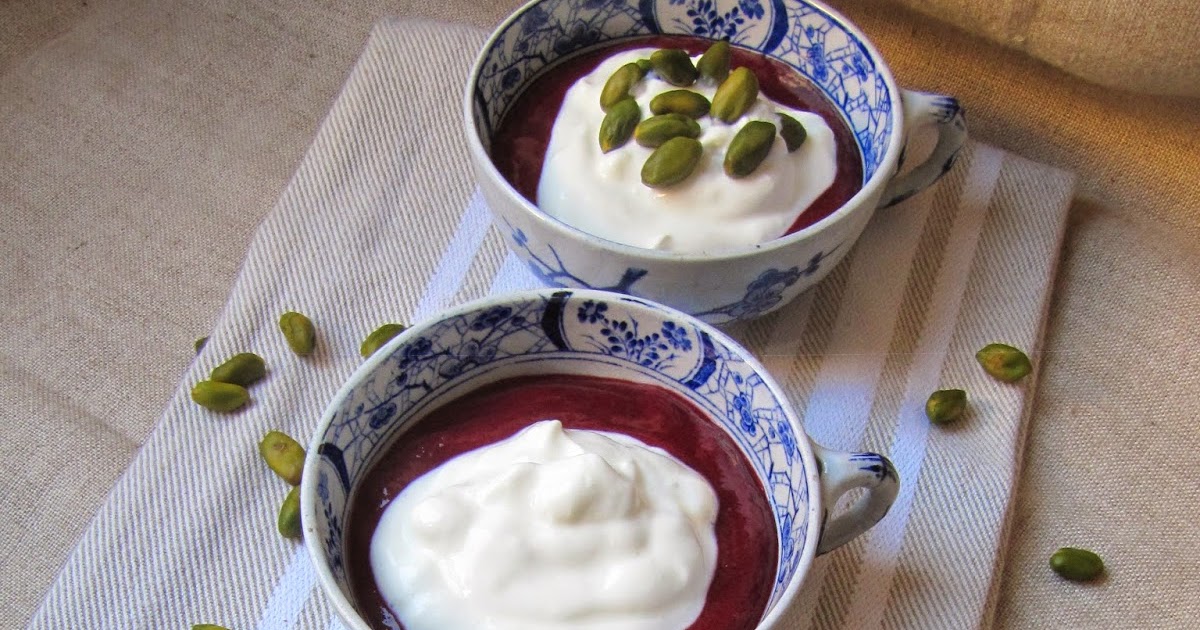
pixel 686 102
pixel 616 89
pixel 672 162
pixel 736 94
pixel 284 455
pixel 618 125
pixel 714 63
pixel 674 66
pixel 378 338
pixel 645 66
pixel 1078 565
pixel 749 148
pixel 243 368
pixel 656 130
pixel 219 396
pixel 200 343
pixel 792 132
pixel 946 405
pixel 299 332
pixel 1004 362
pixel 289 515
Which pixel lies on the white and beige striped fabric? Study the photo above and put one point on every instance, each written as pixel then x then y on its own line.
pixel 381 223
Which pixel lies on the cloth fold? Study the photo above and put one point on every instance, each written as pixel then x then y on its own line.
pixel 381 222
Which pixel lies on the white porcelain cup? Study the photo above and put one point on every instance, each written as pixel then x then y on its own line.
pixel 734 285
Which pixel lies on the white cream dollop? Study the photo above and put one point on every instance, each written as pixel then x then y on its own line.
pixel 602 193
pixel 550 529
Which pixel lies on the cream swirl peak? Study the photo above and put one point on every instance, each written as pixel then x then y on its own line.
pixel 547 530
pixel 603 194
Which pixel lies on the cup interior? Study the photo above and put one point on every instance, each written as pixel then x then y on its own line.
pixel 585 332
pixel 810 38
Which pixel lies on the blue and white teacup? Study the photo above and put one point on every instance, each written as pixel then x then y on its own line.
pixel 736 284
pixel 545 332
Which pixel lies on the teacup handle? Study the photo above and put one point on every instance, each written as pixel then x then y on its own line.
pixel 842 472
pixel 922 109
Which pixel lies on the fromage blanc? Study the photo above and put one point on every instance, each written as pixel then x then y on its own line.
pixel 602 193
pixel 546 530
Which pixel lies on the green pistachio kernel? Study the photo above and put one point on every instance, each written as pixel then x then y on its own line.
pixel 616 89
pixel 735 96
pixel 656 130
pixel 1078 565
pixel 672 162
pixel 199 344
pixel 243 368
pixel 618 125
pixel 284 455
pixel 289 515
pixel 714 63
pixel 299 332
pixel 793 133
pixel 674 66
pixel 749 148
pixel 1004 362
pixel 686 102
pixel 379 337
pixel 946 405
pixel 218 396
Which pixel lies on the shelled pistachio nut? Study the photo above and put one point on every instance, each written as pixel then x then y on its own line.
pixel 1004 362
pixel 218 396
pixel 749 148
pixel 288 521
pixel 946 405
pixel 735 96
pixel 243 368
pixel 645 66
pixel 378 338
pixel 299 332
pixel 617 87
pixel 199 344
pixel 793 133
pixel 686 102
pixel 674 66
pixel 672 162
pixel 618 125
pixel 713 65
pixel 656 130
pixel 1079 565
pixel 284 455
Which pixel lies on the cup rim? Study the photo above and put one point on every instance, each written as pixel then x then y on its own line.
pixel 308 484
pixel 866 194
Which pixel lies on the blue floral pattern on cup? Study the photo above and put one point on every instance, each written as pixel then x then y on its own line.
pixel 623 338
pixel 762 295
pixel 599 333
pixel 550 268
pixel 766 291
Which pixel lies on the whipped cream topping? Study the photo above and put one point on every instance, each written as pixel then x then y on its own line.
pixel 602 193
pixel 550 529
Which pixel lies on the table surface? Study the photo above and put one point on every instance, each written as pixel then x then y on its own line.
pixel 144 141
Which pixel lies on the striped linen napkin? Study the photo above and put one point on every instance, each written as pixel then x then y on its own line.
pixel 381 222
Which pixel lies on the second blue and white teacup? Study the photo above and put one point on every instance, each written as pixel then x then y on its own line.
pixel 727 285
pixel 546 335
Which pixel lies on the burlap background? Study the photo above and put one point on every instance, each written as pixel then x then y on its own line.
pixel 141 141
pixel 1145 47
